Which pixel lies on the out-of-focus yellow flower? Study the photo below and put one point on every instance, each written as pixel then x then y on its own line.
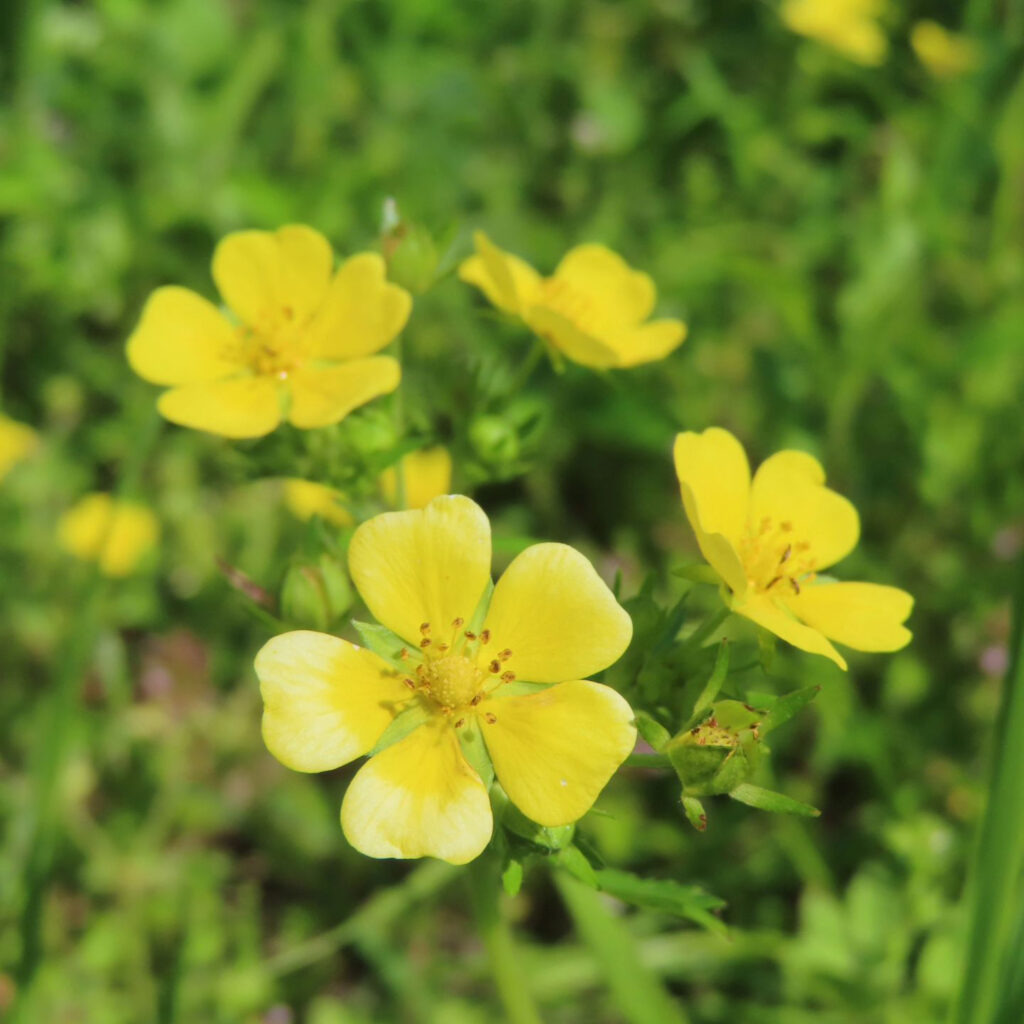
pixel 426 474
pixel 593 309
pixel 302 348
pixel 306 499
pixel 115 534
pixel 848 26
pixel 945 54
pixel 16 442
pixel 769 537
pixel 551 620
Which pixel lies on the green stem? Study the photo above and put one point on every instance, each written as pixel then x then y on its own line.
pixel 638 992
pixel 526 367
pixel 497 936
pixel 701 633
pixel 995 887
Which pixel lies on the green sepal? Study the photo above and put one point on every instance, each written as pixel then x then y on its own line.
pixel 698 572
pixel 786 706
pixel 518 824
pixel 403 724
pixel 652 731
pixel 474 750
pixel 695 812
pixel 383 643
pixel 766 800
pixel 476 620
pixel 572 859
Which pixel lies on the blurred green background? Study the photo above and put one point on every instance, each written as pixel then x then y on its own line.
pixel 847 245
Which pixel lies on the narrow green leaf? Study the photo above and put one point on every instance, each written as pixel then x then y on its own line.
pixel 383 643
pixel 766 646
pixel 688 901
pixel 766 800
pixel 714 683
pixel 783 709
pixel 572 859
pixel 698 572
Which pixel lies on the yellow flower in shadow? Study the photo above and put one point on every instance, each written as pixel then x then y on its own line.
pixel 17 441
pixel 945 54
pixel 115 534
pixel 848 26
pixel 769 538
pixel 301 346
pixel 594 309
pixel 423 574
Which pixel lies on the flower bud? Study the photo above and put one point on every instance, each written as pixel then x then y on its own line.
pixel 315 596
pixel 720 753
pixel 413 258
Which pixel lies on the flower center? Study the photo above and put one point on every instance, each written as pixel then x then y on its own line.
pixel 774 560
pixel 273 346
pixel 453 680
pixel 569 302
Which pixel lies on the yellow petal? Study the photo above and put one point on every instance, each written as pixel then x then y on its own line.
pixel 115 534
pixel 325 700
pixel 557 617
pixel 361 313
pixel 273 278
pixel 714 479
pixel 322 395
pixel 779 620
pixel 647 343
pixel 554 751
pixel 419 798
pixel 621 297
pixel 16 441
pixel 945 54
pixel 864 616
pixel 182 338
pixel 573 342
pixel 237 407
pixel 306 499
pixel 789 487
pixel 427 565
pixel 508 282
pixel 426 474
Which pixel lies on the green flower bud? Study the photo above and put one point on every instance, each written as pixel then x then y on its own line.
pixel 315 596
pixel 720 753
pixel 494 440
pixel 413 258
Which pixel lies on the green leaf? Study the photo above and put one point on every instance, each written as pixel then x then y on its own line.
pixel 512 877
pixel 573 860
pixel 652 731
pixel 783 709
pixel 383 643
pixel 766 645
pixel 714 683
pixel 688 901
pixel 403 724
pixel 766 800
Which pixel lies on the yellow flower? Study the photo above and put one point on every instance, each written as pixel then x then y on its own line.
pixel 302 348
pixel 551 620
pixel 848 26
pixel 115 534
pixel 306 499
pixel 593 309
pixel 769 537
pixel 16 441
pixel 945 54
pixel 426 474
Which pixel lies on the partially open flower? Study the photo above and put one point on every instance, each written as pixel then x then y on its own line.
pixel 424 574
pixel 301 346
pixel 850 27
pixel 594 309
pixel 115 534
pixel 769 539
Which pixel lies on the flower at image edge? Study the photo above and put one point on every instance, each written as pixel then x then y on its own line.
pixel 115 534
pixel 594 309
pixel 848 26
pixel 769 537
pixel 945 54
pixel 302 347
pixel 16 442
pixel 551 620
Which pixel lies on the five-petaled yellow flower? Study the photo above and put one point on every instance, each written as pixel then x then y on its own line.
pixel 945 54
pixel 849 26
pixel 301 346
pixel 115 534
pixel 16 442
pixel 769 537
pixel 594 309
pixel 550 620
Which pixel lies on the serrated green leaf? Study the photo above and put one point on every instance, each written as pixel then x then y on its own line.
pixel 783 709
pixel 404 723
pixel 767 800
pixel 383 643
pixel 688 901
pixel 512 877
